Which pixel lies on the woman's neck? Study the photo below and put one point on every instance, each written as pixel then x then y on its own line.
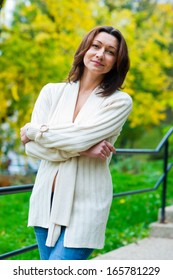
pixel 89 82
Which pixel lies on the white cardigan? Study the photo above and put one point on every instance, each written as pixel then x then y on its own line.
pixel 83 187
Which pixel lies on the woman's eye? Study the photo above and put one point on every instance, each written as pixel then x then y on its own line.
pixel 110 52
pixel 95 46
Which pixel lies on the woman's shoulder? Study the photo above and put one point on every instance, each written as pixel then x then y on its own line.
pixel 120 96
pixel 52 90
pixel 54 87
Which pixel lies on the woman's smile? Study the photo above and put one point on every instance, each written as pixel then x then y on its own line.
pixel 102 54
pixel 97 63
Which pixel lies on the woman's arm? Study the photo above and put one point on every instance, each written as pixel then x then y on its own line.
pixel 40 115
pixel 73 137
pixel 37 151
pixel 101 150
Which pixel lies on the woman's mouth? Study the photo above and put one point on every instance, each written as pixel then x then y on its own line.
pixel 97 63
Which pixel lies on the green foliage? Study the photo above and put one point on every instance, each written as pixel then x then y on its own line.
pixel 39 46
pixel 37 49
pixel 129 218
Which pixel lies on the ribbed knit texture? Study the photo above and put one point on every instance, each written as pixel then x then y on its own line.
pixel 83 191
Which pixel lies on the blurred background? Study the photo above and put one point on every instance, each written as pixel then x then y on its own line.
pixel 37 43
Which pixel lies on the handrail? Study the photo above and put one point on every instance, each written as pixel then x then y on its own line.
pixel 18 252
pixel 157 184
pixel 15 189
pixel 148 151
pixel 163 179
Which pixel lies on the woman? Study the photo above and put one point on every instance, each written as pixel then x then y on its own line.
pixel 73 128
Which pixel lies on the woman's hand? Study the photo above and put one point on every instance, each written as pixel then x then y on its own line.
pixel 23 136
pixel 101 150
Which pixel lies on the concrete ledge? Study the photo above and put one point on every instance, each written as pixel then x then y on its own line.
pixel 161 230
pixel 169 214
pixel 146 249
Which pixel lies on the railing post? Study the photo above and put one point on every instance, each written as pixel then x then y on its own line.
pixel 164 185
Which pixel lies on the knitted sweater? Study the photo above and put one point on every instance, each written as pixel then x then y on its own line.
pixel 83 186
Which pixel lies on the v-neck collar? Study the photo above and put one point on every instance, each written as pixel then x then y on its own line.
pixel 64 112
pixel 86 106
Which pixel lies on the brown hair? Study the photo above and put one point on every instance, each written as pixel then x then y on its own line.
pixel 112 80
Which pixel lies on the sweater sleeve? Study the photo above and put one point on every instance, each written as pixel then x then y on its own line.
pixel 37 151
pixel 73 137
pixel 40 115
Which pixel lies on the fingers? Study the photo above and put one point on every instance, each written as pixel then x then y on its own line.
pixel 101 150
pixel 22 131
pixel 111 147
pixel 106 149
pixel 24 139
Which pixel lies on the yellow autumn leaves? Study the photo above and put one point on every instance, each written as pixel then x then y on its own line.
pixel 39 46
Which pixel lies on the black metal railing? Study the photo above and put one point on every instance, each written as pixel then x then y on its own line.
pixel 164 144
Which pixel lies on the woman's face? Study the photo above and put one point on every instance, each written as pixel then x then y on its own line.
pixel 101 56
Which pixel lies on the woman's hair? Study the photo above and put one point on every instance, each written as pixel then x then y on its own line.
pixel 112 80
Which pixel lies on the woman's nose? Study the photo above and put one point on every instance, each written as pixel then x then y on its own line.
pixel 100 53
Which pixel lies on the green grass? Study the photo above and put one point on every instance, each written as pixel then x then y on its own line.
pixel 129 218
pixel 131 215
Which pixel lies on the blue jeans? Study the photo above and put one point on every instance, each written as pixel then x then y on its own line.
pixel 59 252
